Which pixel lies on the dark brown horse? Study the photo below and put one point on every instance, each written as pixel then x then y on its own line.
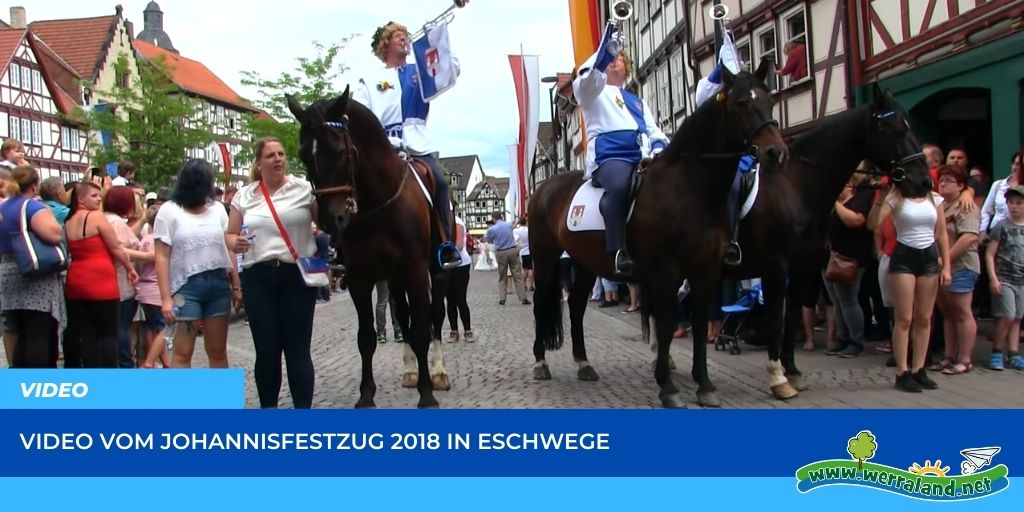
pixel 679 224
pixel 368 196
pixel 784 234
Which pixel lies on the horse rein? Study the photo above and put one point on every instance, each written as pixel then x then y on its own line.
pixel 752 149
pixel 350 164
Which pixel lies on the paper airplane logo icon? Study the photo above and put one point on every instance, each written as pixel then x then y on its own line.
pixel 977 458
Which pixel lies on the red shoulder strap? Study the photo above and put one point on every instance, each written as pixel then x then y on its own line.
pixel 280 227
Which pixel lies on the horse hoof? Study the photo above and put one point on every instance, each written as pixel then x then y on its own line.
pixel 541 373
pixel 441 382
pixel 410 380
pixel 366 403
pixel 428 403
pixel 672 401
pixel 587 373
pixel 798 381
pixel 784 391
pixel 709 399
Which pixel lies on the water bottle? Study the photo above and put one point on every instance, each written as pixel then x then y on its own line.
pixel 244 233
pixel 169 330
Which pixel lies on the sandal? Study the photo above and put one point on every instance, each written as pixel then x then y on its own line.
pixel 884 348
pixel 631 310
pixel 809 347
pixel 941 365
pixel 958 368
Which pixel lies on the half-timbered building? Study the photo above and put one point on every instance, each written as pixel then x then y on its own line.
pixel 34 111
pixel 486 198
pixel 956 65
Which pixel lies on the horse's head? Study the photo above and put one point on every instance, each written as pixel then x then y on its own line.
pixel 891 144
pixel 749 102
pixel 330 156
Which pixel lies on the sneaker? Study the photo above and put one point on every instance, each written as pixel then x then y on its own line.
pixel 398 337
pixel 382 337
pixel 995 361
pixel 921 377
pixel 1017 362
pixel 526 302
pixel 836 350
pixel 469 337
pixel 905 382
pixel 850 351
pixel 453 336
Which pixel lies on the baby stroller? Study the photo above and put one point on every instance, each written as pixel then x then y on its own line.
pixel 729 337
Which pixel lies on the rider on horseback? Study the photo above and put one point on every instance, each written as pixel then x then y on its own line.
pixel 392 94
pixel 621 131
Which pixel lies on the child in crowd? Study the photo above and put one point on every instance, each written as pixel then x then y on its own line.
pixel 148 295
pixel 1005 258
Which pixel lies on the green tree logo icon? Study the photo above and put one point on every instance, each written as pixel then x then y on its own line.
pixel 862 447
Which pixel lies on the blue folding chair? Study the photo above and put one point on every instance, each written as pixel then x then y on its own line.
pixel 735 315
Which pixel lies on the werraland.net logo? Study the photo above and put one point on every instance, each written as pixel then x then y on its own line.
pixel 930 481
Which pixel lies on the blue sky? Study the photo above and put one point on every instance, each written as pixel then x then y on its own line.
pixel 478 116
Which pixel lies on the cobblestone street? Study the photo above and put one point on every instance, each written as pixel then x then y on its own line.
pixel 496 372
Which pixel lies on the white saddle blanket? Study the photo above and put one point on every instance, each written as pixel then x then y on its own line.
pixel 585 210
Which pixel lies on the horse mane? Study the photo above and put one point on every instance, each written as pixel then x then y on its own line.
pixel 835 135
pixel 692 129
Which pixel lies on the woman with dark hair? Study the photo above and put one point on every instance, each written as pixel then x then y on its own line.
pixel 914 271
pixel 34 306
pixel 195 273
pixel 118 206
pixel 91 290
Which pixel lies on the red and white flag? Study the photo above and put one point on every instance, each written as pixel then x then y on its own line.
pixel 222 156
pixel 526 74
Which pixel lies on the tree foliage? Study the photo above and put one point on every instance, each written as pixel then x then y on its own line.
pixel 312 79
pixel 862 447
pixel 152 124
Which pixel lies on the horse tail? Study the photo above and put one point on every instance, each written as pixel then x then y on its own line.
pixel 547 302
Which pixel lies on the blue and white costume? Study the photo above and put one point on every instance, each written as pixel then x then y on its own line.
pixel 393 95
pixel 621 131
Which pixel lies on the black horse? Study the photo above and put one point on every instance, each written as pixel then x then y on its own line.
pixel 678 228
pixel 784 234
pixel 368 196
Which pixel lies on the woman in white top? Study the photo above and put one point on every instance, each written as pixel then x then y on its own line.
pixel 279 304
pixel 994 209
pixel 195 271
pixel 914 271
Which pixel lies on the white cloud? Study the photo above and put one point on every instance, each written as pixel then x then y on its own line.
pixel 478 116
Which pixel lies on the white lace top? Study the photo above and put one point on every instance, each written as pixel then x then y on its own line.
pixel 197 241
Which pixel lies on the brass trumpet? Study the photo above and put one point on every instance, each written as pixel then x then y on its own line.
pixel 447 16
pixel 622 10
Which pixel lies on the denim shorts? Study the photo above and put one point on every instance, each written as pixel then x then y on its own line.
pixel 1010 303
pixel 963 281
pixel 153 317
pixel 920 262
pixel 204 295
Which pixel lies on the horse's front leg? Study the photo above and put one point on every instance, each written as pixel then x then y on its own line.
pixel 419 305
pixel 701 290
pixel 774 298
pixel 360 292
pixel 581 288
pixel 662 296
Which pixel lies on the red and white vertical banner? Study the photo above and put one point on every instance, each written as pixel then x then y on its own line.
pixel 512 197
pixel 222 155
pixel 526 74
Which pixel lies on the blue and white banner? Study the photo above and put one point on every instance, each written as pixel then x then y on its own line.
pixel 436 67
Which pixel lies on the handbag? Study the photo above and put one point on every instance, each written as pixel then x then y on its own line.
pixel 35 257
pixel 841 269
pixel 313 270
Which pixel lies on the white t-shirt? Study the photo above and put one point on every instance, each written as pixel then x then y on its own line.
pixel 292 202
pixel 522 237
pixel 196 240
pixel 914 219
pixel 119 181
pixel 466 259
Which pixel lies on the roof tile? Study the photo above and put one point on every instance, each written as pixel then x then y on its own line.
pixel 193 76
pixel 80 41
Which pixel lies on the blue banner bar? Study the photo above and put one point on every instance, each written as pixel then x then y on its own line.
pixel 122 389
pixel 821 447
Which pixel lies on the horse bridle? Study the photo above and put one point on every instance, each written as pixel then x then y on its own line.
pixel 748 137
pixel 351 153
